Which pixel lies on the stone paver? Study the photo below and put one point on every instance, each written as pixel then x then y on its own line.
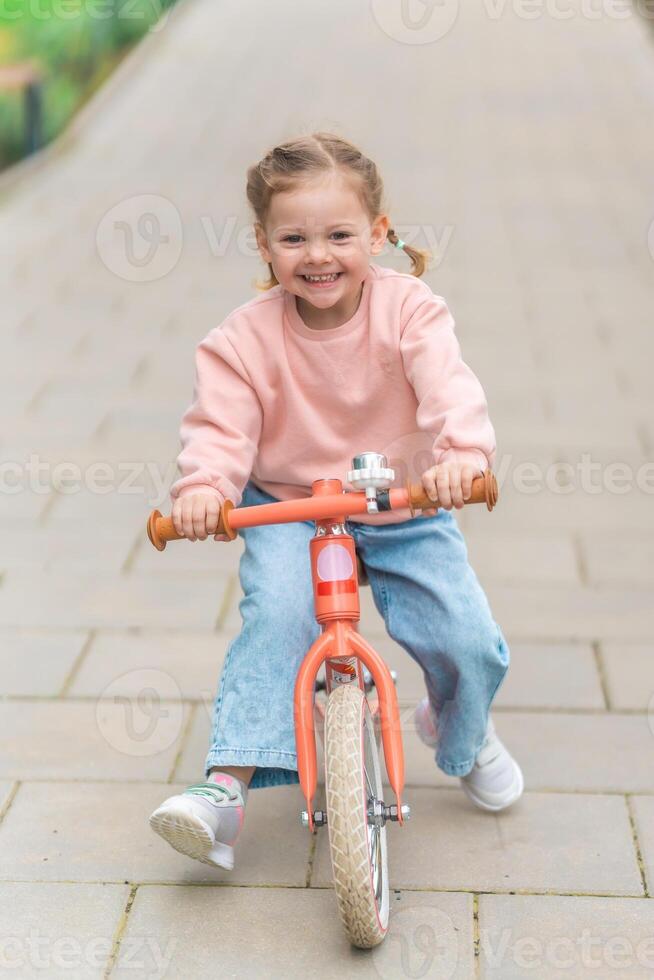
pixel 189 660
pixel 37 662
pixel 110 600
pixel 116 737
pixel 513 558
pixel 57 929
pixel 25 506
pixel 557 751
pixel 5 794
pixel 198 557
pixel 643 809
pixel 62 831
pixel 187 928
pixel 93 508
pixel 629 673
pixel 590 752
pixel 190 765
pixel 552 937
pixel 540 844
pixel 552 511
pixel 66 549
pixel 542 221
pixel 573 613
pixel 534 677
pixel 617 558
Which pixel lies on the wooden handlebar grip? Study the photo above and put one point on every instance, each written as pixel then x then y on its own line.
pixel 484 491
pixel 161 529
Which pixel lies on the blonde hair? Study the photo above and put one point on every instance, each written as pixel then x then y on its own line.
pixel 308 157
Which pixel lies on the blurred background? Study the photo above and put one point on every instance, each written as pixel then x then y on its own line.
pixel 54 55
pixel 515 142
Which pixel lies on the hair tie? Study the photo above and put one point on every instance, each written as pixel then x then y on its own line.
pixel 399 243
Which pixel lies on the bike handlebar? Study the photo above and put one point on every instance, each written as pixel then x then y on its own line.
pixel 330 502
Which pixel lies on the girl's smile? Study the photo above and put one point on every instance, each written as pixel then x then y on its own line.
pixel 323 280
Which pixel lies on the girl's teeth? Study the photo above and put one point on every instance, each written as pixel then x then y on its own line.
pixel 331 278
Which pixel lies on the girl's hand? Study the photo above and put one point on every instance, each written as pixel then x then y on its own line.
pixel 196 516
pixel 449 483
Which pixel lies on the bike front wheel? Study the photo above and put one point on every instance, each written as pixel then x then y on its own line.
pixel 357 834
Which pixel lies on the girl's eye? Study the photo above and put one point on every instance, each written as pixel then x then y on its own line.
pixel 294 239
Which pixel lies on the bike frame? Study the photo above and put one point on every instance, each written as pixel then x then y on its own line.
pixel 342 649
pixel 340 646
pixel 336 596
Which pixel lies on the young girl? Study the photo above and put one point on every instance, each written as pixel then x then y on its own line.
pixel 337 357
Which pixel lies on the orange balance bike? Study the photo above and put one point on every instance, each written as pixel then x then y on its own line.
pixel 351 725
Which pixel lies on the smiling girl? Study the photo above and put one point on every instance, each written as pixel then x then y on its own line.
pixel 337 356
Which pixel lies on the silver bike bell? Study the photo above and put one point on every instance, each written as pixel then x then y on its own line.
pixel 371 472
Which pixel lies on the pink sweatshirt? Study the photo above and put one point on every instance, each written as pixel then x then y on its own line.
pixel 284 405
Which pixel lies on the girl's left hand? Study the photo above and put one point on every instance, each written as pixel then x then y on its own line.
pixel 449 484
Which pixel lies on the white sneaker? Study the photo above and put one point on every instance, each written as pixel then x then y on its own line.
pixel 191 823
pixel 495 781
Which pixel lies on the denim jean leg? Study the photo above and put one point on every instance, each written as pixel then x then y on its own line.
pixel 253 718
pixel 435 608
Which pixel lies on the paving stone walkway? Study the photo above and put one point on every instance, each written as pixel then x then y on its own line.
pixel 519 141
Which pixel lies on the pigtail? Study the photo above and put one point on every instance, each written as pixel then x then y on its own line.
pixel 269 282
pixel 420 257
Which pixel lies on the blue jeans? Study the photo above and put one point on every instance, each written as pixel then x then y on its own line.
pixel 433 606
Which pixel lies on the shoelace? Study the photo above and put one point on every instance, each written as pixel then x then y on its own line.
pixel 213 791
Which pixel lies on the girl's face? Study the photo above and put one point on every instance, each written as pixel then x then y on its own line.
pixel 321 229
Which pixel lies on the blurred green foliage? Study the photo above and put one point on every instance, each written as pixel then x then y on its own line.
pixel 77 44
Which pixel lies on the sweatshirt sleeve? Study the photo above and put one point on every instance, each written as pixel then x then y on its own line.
pixel 220 430
pixel 451 401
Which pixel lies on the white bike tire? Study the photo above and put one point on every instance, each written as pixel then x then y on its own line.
pixel 358 849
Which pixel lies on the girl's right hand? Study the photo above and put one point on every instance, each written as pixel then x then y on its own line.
pixel 196 517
